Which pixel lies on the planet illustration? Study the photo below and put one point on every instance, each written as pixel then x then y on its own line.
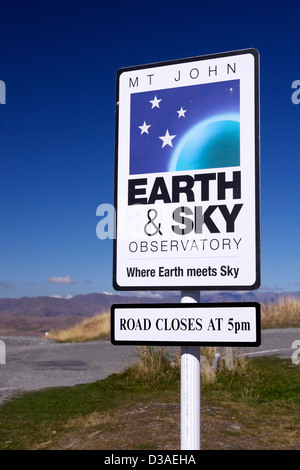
pixel 213 143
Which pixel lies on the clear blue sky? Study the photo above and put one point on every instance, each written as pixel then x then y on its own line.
pixel 59 61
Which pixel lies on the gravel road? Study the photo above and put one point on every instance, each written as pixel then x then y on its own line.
pixel 34 363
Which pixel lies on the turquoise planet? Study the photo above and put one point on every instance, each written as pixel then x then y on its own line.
pixel 213 143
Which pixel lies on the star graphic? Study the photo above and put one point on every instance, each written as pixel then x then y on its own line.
pixel 181 112
pixel 144 128
pixel 167 139
pixel 155 102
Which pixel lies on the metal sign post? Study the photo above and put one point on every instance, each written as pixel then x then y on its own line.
pixel 190 388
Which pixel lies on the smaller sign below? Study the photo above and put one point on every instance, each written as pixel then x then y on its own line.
pixel 206 324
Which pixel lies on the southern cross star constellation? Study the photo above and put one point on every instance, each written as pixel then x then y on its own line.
pixel 167 138
pixel 184 128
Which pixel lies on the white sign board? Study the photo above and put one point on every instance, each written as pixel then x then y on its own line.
pixel 187 174
pixel 227 324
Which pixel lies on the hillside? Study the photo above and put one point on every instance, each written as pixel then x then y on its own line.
pixel 39 314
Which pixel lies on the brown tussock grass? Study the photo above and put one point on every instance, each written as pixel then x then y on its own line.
pixel 284 313
pixel 97 327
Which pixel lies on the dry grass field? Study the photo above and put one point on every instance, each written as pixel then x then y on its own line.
pixel 97 327
pixel 283 313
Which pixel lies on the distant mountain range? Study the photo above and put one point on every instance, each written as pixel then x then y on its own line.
pixel 35 315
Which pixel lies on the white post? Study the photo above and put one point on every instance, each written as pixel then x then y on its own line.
pixel 2 352
pixel 190 387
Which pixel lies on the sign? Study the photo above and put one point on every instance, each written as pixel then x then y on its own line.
pixel 187 174
pixel 212 324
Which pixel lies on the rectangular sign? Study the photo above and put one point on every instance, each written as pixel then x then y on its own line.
pixel 215 324
pixel 187 174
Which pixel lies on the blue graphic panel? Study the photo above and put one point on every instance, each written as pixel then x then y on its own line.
pixel 185 128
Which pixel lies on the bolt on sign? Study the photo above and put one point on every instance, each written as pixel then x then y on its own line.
pixel 187 174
